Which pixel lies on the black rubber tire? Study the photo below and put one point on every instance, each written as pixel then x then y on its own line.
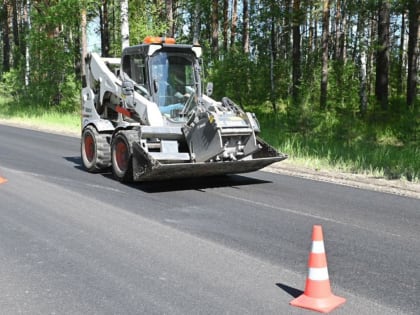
pixel 95 150
pixel 122 155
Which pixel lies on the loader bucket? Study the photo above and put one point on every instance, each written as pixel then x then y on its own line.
pixel 145 168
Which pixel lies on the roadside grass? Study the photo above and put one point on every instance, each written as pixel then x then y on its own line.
pixel 38 116
pixel 373 150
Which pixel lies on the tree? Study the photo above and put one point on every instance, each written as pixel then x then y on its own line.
pixel 413 51
pixel 16 32
pixel 84 42
pixel 245 36
pixel 362 61
pixel 104 26
pixel 170 18
pixel 296 72
pixel 215 29
pixel 401 53
pixel 325 37
pixel 382 54
pixel 125 32
pixel 6 35
pixel 225 24
pixel 234 25
pixel 27 29
pixel 196 23
pixel 340 28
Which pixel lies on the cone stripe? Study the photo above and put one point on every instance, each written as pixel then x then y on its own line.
pixel 318 274
pixel 318 247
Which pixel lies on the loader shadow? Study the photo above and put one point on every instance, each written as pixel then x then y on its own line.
pixel 196 183
pixel 199 184
pixel 290 290
pixel 76 160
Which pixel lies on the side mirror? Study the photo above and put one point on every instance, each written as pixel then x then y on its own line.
pixel 127 88
pixel 209 89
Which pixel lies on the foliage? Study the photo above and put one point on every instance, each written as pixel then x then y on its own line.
pixel 143 13
pixel 381 146
pixel 234 77
pixel 53 46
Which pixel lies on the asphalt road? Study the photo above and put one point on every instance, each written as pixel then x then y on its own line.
pixel 78 243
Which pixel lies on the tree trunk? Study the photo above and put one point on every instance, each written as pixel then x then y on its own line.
pixel 382 54
pixel 371 53
pixel 105 44
pixel 363 83
pixel 316 41
pixel 27 23
pixel 234 23
pixel 169 18
pixel 84 45
pixel 15 25
pixel 343 37
pixel 225 24
pixel 324 71
pixel 362 62
pixel 311 33
pixel 272 63
pixel 215 29
pixel 401 55
pixel 296 70
pixel 246 27
pixel 160 6
pixel 338 30
pixel 6 37
pixel 197 23
pixel 413 51
pixel 286 35
pixel 125 31
pixel 311 44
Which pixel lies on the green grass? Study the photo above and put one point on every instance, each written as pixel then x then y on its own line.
pixel 52 119
pixel 358 148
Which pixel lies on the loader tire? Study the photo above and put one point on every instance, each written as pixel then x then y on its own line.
pixel 95 150
pixel 122 155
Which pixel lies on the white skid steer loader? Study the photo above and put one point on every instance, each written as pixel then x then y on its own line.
pixel 147 117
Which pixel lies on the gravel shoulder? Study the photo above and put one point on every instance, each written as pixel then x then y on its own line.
pixel 397 187
pixel 287 167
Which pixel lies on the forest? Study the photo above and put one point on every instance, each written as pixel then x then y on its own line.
pixel 334 79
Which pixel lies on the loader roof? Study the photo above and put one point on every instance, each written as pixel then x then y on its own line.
pixel 150 49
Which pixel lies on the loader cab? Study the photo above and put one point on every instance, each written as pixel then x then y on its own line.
pixel 167 74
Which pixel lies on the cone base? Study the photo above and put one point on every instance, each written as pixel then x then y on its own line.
pixel 323 305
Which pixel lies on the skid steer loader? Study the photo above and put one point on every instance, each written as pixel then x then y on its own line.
pixel 147 117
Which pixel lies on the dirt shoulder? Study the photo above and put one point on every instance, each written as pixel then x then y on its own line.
pixel 397 187
pixel 15 122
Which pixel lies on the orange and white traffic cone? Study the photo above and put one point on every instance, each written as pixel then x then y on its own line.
pixel 317 295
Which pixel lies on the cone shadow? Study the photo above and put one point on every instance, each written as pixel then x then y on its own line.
pixel 292 291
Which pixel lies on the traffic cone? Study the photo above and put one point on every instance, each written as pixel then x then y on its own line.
pixel 317 295
pixel 2 180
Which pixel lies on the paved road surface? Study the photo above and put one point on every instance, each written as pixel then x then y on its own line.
pixel 79 243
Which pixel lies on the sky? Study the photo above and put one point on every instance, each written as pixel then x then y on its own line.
pixel 93 38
